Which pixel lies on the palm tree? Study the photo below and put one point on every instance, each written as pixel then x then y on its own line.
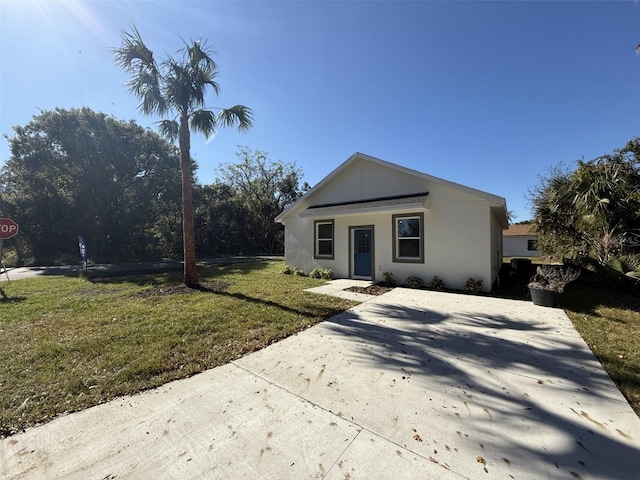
pixel 177 88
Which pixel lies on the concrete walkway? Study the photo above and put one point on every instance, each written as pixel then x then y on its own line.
pixel 411 384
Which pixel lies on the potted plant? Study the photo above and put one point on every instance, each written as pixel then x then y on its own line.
pixel 549 282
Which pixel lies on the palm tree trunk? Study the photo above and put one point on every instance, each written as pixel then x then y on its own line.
pixel 188 229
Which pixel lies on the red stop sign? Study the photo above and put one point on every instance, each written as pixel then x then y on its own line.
pixel 8 228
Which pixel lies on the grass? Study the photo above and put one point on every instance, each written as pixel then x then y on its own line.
pixel 68 343
pixel 610 324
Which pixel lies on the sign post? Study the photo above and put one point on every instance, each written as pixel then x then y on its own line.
pixel 8 229
pixel 83 253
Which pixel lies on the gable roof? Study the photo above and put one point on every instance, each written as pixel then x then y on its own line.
pixel 367 205
pixel 498 203
pixel 522 229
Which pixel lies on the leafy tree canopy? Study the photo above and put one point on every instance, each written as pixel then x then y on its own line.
pixel 78 172
pixel 264 188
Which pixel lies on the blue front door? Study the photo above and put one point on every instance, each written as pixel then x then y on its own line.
pixel 362 252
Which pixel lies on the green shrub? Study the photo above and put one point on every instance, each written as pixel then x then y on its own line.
pixel 627 265
pixel 436 283
pixel 327 274
pixel 315 273
pixel 388 279
pixel 414 282
pixel 10 258
pixel 287 270
pixel 473 286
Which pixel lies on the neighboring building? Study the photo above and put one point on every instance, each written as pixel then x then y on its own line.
pixel 370 216
pixel 520 241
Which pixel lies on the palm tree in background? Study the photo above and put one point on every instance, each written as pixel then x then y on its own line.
pixel 176 88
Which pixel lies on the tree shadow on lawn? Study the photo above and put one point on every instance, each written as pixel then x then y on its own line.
pixel 478 356
pixel 169 284
pixel 4 298
pixel 306 310
pixel 140 269
pixel 173 275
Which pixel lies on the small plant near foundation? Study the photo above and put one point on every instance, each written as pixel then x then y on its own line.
pixel 286 270
pixel 326 273
pixel 473 286
pixel 436 283
pixel 388 279
pixel 414 282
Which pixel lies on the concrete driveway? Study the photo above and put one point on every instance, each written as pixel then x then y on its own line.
pixel 408 385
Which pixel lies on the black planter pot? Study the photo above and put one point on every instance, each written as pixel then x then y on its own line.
pixel 545 298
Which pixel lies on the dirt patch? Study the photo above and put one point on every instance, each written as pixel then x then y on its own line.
pixel 205 287
pixel 376 289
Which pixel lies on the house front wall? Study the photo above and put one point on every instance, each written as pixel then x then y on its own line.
pixel 497 247
pixel 363 180
pixel 461 237
pixel 518 246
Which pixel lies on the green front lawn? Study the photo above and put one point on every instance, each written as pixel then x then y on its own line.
pixel 610 324
pixel 69 343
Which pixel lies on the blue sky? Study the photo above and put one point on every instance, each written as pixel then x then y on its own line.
pixel 487 94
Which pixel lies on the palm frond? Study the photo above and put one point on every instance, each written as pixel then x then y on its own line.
pixel 206 76
pixel 133 53
pixel 146 86
pixel 203 121
pixel 185 87
pixel 179 85
pixel 197 52
pixel 169 129
pixel 146 80
pixel 239 115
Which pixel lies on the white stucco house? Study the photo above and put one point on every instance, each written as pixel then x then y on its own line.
pixel 370 216
pixel 520 241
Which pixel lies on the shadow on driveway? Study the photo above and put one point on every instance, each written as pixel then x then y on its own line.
pixel 512 378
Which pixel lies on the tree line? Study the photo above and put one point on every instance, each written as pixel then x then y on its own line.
pixel 590 215
pixel 79 172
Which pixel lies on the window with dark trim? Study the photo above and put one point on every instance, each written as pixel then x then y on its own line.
pixel 323 239
pixel 408 238
pixel 532 245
